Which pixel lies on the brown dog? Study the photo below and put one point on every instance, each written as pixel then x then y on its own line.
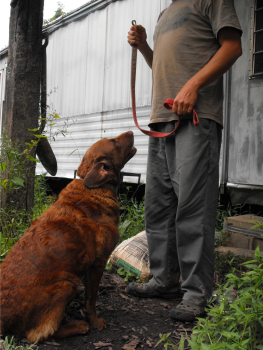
pixel 71 240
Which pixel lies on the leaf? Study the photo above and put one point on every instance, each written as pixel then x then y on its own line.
pixel 255 226
pixel 10 157
pixel 18 181
pixel 259 280
pixel 181 346
pixel 32 130
pixel 4 183
pixel 33 159
pixel 257 253
pixel 3 167
pixel 72 152
pixel 41 136
pixel 56 116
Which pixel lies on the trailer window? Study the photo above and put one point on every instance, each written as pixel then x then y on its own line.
pixel 256 66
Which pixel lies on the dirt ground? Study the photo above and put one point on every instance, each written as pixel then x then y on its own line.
pixel 133 323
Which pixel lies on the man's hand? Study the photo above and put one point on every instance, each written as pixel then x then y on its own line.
pixel 137 36
pixel 185 99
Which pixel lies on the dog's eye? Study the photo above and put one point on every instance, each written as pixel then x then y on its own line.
pixel 105 166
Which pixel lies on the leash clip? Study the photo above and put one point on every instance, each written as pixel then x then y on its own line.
pixel 133 22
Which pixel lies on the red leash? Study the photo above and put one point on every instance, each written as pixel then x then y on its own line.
pixel 167 104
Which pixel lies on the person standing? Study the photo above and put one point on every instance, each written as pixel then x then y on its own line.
pixel 195 43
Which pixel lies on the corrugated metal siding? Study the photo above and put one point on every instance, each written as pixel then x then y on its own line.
pixel 88 64
pixel 246 127
pixel 90 128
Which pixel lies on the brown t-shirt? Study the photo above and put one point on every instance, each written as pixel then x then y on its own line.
pixel 185 40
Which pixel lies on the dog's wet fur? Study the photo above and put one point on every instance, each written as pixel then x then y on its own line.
pixel 70 241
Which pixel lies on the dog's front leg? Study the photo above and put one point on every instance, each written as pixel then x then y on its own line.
pixel 92 280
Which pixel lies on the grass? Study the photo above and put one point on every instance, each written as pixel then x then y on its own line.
pixel 131 215
pixel 9 344
pixel 15 222
pixel 236 321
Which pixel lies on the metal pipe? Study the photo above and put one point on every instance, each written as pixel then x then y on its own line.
pixel 245 187
pixel 226 130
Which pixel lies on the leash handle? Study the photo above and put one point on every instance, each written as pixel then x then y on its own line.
pixel 168 104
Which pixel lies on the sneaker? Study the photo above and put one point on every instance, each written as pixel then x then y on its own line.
pixel 145 290
pixel 187 311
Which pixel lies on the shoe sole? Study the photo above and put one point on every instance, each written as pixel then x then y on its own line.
pixel 153 295
pixel 183 318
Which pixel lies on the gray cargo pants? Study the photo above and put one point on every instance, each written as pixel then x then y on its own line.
pixel 180 207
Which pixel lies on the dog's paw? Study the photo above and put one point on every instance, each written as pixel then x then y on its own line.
pixel 83 327
pixel 99 323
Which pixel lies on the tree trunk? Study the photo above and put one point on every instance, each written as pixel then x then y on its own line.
pixel 23 85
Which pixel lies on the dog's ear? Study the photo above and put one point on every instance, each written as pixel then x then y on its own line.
pixel 100 174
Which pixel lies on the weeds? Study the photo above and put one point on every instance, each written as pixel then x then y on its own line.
pixel 13 165
pixel 127 275
pixel 168 344
pixel 41 201
pixel 226 262
pixel 15 222
pixel 237 322
pixel 132 216
pixel 9 344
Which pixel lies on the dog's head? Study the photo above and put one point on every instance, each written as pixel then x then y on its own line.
pixel 104 160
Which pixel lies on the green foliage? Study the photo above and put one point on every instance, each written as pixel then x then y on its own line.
pixel 168 344
pixel 132 216
pixel 41 201
pixel 9 344
pixel 128 275
pixel 13 167
pixel 222 213
pixel 226 262
pixel 258 224
pixel 237 323
pixel 14 222
pixel 59 12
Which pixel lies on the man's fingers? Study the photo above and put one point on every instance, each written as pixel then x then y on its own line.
pixel 134 35
pixel 180 109
pixel 186 108
pixel 174 109
pixel 137 35
pixel 141 28
pixel 189 110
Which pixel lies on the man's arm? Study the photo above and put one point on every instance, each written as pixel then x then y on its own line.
pixel 137 36
pixel 223 59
